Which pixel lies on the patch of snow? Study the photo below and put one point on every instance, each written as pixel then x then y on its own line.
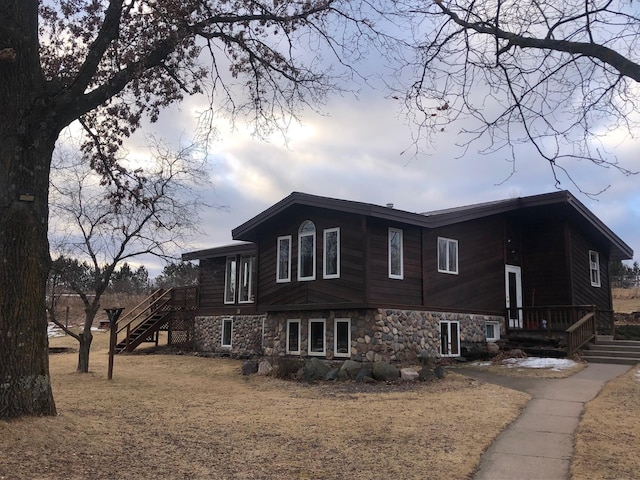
pixel 638 374
pixel 54 331
pixel 481 364
pixel 555 364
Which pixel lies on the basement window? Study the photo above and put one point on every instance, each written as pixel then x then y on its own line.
pixel 227 330
pixel 492 331
pixel 342 337
pixel 450 339
pixel 293 337
pixel 317 342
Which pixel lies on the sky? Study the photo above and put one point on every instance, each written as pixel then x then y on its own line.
pixel 354 152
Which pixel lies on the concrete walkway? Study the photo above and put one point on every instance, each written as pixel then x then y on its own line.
pixel 538 445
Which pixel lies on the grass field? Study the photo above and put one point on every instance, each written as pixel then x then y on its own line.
pixel 188 417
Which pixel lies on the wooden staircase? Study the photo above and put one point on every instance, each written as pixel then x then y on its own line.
pixel 144 322
pixel 608 350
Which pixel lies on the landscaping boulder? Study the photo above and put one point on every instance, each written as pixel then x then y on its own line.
pixel 440 372
pixel 493 348
pixel 332 375
pixel 315 369
pixel 426 375
pixel 365 375
pixel 264 368
pixel 408 374
pixel 250 367
pixel 349 370
pixel 385 372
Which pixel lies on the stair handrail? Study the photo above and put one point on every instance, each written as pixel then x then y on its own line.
pixel 156 299
pixel 581 332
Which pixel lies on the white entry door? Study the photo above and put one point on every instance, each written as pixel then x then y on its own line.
pixel 513 291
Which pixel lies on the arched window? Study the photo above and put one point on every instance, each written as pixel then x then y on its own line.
pixel 307 251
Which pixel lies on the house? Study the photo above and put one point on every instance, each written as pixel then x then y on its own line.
pixel 319 276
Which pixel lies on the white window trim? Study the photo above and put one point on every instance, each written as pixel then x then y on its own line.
pixel 496 329
pixel 448 270
pixel 289 322
pixel 449 323
pixel 222 344
pixel 324 254
pixel 251 262
pixel 335 337
pixel 324 339
pixel 226 279
pixel 594 267
pixel 398 276
pixel 286 279
pixel 313 236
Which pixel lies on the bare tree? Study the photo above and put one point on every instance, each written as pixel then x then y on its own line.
pixel 111 64
pixel 557 75
pixel 94 234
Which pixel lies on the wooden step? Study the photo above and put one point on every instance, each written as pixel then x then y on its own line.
pixel 607 350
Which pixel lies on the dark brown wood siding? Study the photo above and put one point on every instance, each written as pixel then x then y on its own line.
pixel 545 272
pixel 346 290
pixel 479 284
pixel 391 291
pixel 211 290
pixel 583 292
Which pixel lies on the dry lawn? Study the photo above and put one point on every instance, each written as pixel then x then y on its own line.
pixel 608 437
pixel 165 416
pixel 626 300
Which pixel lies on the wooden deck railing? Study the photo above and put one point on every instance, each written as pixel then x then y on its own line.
pixel 552 318
pixel 581 332
pixel 179 299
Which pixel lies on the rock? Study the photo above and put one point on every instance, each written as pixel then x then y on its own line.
pixel 250 367
pixel 408 374
pixel 332 375
pixel 493 348
pixel 315 369
pixel 439 372
pixel 363 374
pixel 426 375
pixel 349 370
pixel 517 353
pixel 264 368
pixel 385 372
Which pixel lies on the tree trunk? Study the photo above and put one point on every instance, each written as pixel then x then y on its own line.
pixel 27 138
pixel 83 352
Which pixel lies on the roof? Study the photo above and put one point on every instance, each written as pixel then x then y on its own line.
pixel 248 231
pixel 231 249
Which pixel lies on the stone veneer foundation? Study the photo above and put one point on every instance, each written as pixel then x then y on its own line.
pixel 376 334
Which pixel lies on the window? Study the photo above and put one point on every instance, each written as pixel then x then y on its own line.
pixel 331 255
pixel 447 255
pixel 307 251
pixel 293 337
pixel 342 337
pixel 283 273
pixel 450 339
pixel 594 268
pixel 317 337
pixel 492 331
pixel 227 329
pixel 245 293
pixel 230 281
pixel 395 254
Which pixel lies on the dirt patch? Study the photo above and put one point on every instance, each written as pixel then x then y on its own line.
pixel 608 437
pixel 192 417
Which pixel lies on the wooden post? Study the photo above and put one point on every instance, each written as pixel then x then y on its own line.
pixel 113 314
